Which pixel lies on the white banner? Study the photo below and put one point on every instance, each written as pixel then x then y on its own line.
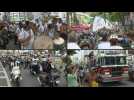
pixel 99 23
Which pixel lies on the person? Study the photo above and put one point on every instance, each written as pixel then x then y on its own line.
pixel 26 63
pixel 11 27
pixel 93 79
pixel 113 42
pixel 92 40
pixel 45 27
pixel 104 43
pixel 26 37
pixel 4 37
pixel 16 69
pixel 59 24
pixel 44 64
pixel 41 29
pixel 12 63
pixel 54 24
pixel 63 31
pixel 72 80
pixel 81 74
pixel 35 65
pixel 19 28
pixel 126 41
pixel 50 31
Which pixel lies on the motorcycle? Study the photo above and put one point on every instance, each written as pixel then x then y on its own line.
pixel 49 79
pixel 34 69
pixel 16 76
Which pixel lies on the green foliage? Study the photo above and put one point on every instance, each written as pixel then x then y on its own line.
pixel 111 16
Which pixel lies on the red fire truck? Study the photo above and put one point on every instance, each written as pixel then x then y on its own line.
pixel 111 65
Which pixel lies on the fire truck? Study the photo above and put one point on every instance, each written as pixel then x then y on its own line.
pixel 111 65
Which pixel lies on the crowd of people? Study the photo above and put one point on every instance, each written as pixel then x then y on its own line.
pixel 81 77
pixel 42 68
pixel 35 64
pixel 113 41
pixel 25 32
pixel 101 39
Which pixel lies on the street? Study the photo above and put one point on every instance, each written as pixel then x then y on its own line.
pixel 28 80
pixel 125 83
pixel 4 80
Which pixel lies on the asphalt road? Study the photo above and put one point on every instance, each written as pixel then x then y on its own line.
pixel 28 80
pixel 125 83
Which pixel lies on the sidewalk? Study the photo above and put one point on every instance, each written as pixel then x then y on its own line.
pixel 4 80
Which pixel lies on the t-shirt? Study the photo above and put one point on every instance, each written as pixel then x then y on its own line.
pixel 18 30
pixel 25 34
pixel 72 45
pixel 41 29
pixel 104 45
pixel 32 37
pixel 72 80
pixel 116 47
pixel 58 26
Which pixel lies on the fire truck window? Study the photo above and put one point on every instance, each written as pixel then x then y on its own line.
pixel 109 60
pixel 99 62
pixel 120 60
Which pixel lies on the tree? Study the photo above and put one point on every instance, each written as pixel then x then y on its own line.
pixel 119 17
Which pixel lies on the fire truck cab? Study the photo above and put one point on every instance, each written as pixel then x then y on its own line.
pixel 111 65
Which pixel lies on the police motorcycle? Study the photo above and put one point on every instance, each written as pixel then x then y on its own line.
pixel 47 77
pixel 16 74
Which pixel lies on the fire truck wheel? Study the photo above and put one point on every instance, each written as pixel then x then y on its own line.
pixel 131 76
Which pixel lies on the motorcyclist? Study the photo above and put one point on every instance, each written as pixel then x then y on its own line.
pixel 43 64
pixel 35 65
pixel 12 63
pixel 16 70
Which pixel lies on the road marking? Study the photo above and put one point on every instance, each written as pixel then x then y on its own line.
pixel 5 76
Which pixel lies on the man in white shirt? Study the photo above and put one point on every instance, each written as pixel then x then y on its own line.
pixel 59 23
pixel 26 37
pixel 104 43
pixel 41 29
pixel 113 42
